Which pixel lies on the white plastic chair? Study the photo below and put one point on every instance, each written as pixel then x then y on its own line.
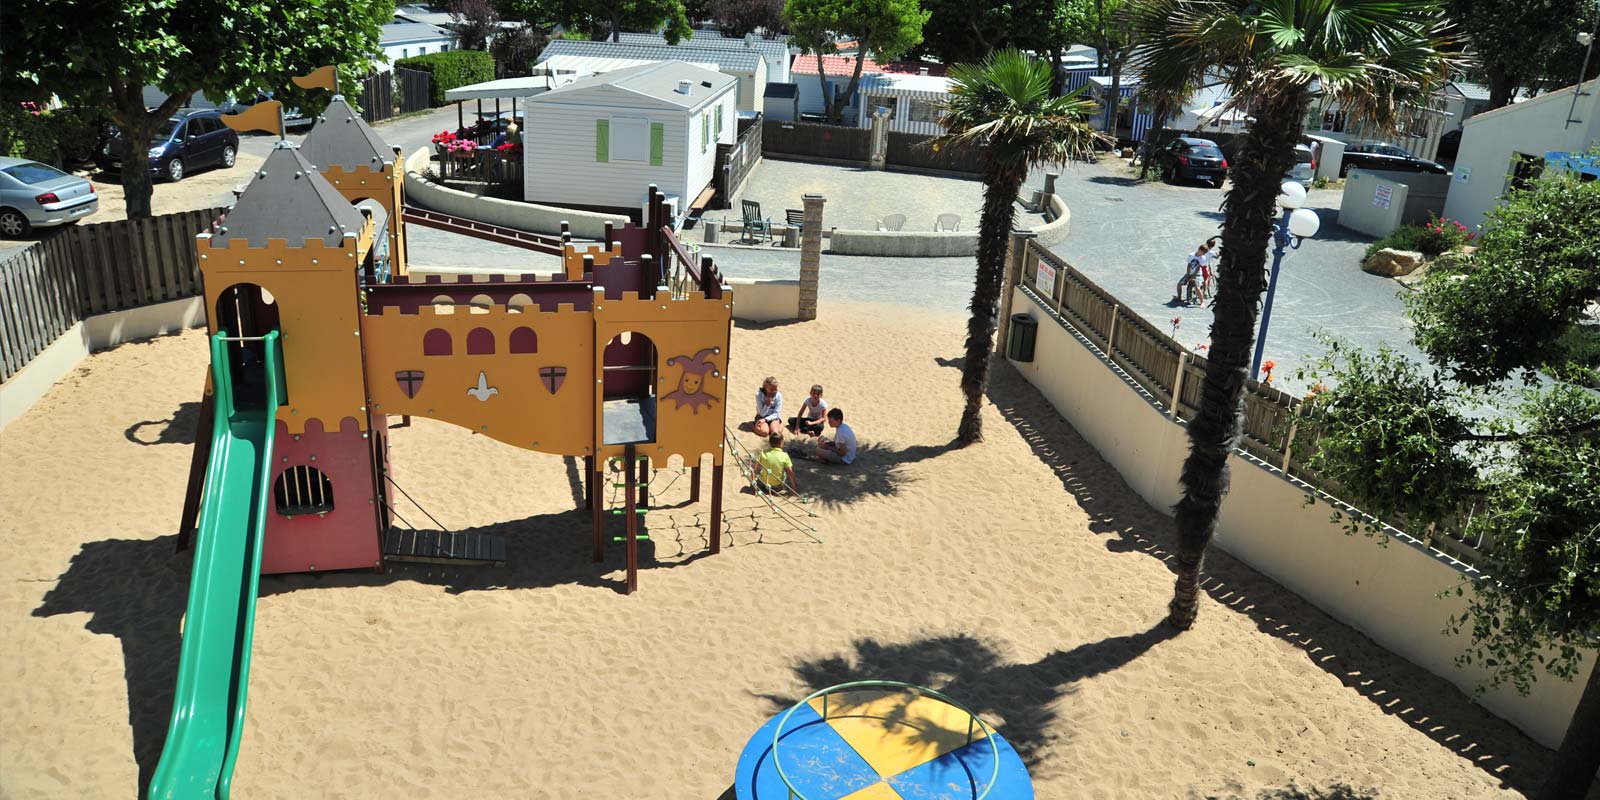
pixel 947 222
pixel 893 222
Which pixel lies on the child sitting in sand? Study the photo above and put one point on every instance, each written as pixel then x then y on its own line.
pixel 842 448
pixel 769 407
pixel 813 414
pixel 774 465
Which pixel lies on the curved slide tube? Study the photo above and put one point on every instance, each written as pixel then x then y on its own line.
pixel 214 670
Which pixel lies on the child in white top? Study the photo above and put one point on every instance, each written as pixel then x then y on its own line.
pixel 842 448
pixel 813 414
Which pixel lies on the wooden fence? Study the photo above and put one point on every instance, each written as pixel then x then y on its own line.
pixel 917 150
pixel 388 94
pixel 810 139
pixel 1275 430
pixel 83 270
pixel 734 163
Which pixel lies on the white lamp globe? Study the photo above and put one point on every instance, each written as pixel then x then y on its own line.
pixel 1303 222
pixel 1291 194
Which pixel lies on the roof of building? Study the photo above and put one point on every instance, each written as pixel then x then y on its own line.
pixel 732 60
pixel 770 49
pixel 341 138
pixel 416 12
pixel 1471 91
pixel 402 32
pixel 706 33
pixel 524 86
pixel 782 91
pixel 845 66
pixel 655 81
pixel 892 82
pixel 288 199
pixel 1103 82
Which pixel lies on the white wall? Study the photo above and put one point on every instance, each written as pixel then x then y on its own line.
pixel 559 157
pixel 396 52
pixel 700 164
pixel 1534 127
pixel 811 94
pixel 1386 593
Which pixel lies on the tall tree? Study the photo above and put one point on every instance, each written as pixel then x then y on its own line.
pixel 1524 464
pixel 1515 43
pixel 1004 105
pixel 474 21
pixel 1112 32
pixel 104 59
pixel 604 19
pixel 961 31
pixel 740 17
pixel 515 49
pixel 1374 59
pixel 883 29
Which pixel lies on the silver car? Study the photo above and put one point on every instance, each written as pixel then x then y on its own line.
pixel 34 195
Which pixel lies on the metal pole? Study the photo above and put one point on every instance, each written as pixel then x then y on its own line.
pixel 1280 239
pixel 1583 71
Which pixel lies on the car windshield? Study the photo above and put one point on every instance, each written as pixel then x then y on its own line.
pixel 1205 151
pixel 33 172
pixel 1302 156
pixel 165 131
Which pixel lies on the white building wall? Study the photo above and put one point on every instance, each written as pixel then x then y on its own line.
pixel 559 165
pixel 700 164
pixel 1533 127
pixel 396 52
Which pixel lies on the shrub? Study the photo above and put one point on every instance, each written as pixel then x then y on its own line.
pixel 26 132
pixel 1438 236
pixel 451 69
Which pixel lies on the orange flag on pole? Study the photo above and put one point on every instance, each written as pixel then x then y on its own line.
pixel 264 116
pixel 320 78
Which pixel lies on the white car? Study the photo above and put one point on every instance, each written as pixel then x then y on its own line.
pixel 1305 165
pixel 34 195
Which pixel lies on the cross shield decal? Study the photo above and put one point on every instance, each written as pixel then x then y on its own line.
pixel 410 381
pixel 552 377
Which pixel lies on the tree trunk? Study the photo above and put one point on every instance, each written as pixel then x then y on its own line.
pixel 1502 86
pixel 1000 186
pixel 1578 758
pixel 1057 81
pixel 1115 99
pixel 827 90
pixel 1265 155
pixel 138 127
pixel 855 78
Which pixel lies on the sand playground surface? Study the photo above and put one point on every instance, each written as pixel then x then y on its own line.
pixel 1020 576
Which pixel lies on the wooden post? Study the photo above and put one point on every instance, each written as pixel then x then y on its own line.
pixel 588 267
pixel 461 122
pixel 566 231
pixel 1177 384
pixel 644 481
pixel 588 481
pixel 609 237
pixel 1288 443
pixel 694 482
pixel 197 472
pixel 707 285
pixel 597 508
pixel 630 511
pixel 1111 337
pixel 650 275
pixel 716 509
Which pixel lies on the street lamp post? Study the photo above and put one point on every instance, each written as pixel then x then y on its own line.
pixel 1297 224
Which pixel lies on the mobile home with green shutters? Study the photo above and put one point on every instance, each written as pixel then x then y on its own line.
pixel 600 142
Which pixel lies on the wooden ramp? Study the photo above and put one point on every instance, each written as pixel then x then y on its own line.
pixel 444 547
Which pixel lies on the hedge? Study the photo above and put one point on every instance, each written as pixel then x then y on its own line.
pixel 450 69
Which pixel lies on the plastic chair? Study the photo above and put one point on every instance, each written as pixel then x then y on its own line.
pixel 893 222
pixel 754 223
pixel 947 222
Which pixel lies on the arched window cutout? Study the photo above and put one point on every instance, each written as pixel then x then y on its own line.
pixel 524 340
pixel 481 304
pixel 480 342
pixel 302 490
pixel 518 303
pixel 437 343
pixel 444 304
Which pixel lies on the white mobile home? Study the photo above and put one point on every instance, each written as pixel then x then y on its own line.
pixel 746 65
pixel 599 142
pixel 915 102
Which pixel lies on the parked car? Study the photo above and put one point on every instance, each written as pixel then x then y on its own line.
pixel 1193 159
pixel 189 140
pixel 1386 157
pixel 1305 165
pixel 34 195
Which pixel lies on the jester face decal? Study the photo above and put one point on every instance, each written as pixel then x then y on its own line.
pixel 691 382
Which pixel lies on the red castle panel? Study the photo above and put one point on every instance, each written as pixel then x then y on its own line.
pixel 347 536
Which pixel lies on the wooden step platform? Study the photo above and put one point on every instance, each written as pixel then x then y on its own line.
pixel 444 547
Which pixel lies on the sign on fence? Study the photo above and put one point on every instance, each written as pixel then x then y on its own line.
pixel 1045 279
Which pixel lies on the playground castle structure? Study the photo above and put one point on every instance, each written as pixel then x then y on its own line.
pixel 320 336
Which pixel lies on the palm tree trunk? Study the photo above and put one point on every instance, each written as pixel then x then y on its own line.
pixel 1001 183
pixel 1264 157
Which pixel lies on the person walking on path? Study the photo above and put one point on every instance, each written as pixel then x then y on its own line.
pixel 1189 287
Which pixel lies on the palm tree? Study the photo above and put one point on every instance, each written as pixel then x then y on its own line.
pixel 1375 58
pixel 1004 106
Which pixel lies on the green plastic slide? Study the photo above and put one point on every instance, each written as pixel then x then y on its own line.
pixel 214 670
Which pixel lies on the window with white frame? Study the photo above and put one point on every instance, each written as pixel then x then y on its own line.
pixel 630 139
pixel 924 111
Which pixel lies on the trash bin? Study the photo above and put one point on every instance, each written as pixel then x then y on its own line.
pixel 1019 343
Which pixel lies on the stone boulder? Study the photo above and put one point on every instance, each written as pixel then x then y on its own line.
pixel 1393 263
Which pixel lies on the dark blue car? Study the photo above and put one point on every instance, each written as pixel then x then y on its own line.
pixel 191 139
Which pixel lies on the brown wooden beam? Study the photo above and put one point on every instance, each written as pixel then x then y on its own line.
pixel 588 481
pixel 716 509
pixel 644 482
pixel 694 482
pixel 630 510
pixel 597 511
pixel 198 461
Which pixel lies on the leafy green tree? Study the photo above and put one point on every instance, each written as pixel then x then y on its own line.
pixel 514 49
pixel 1373 59
pixel 1005 106
pixel 1112 32
pixel 606 19
pixel 1516 43
pixel 104 57
pixel 885 29
pixel 1516 469
pixel 475 21
pixel 961 31
pixel 740 17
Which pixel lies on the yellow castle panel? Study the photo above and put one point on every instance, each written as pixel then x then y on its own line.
pixel 387 187
pixel 521 378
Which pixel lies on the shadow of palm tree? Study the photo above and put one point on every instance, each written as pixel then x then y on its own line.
pixel 180 428
pixel 1337 791
pixel 878 471
pixel 1427 703
pixel 1016 699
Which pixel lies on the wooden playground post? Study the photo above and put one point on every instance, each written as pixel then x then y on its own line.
pixel 596 507
pixel 716 509
pixel 694 482
pixel 630 510
pixel 610 235
pixel 644 481
pixel 588 481
pixel 197 472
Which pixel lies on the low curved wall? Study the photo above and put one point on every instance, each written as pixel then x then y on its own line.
pixel 509 213
pixel 765 300
pixel 930 244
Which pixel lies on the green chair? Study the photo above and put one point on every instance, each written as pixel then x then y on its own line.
pixel 755 225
